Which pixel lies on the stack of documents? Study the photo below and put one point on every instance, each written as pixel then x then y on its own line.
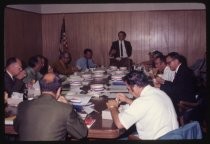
pixel 9 120
pixel 15 99
pixel 106 114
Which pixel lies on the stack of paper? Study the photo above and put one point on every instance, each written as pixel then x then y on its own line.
pixel 106 114
pixel 15 99
pixel 9 120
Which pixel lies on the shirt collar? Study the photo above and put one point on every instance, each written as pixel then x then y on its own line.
pixel 145 90
pixel 177 68
pixel 9 74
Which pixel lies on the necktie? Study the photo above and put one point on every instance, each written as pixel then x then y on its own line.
pixel 87 64
pixel 121 49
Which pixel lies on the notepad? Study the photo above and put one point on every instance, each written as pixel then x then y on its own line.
pixel 89 121
pixel 106 114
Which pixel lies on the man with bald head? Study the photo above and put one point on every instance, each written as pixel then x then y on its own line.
pixel 50 117
pixel 13 76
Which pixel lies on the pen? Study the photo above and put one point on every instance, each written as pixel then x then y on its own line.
pixel 96 111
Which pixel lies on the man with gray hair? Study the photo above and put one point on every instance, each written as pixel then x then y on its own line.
pixel 50 117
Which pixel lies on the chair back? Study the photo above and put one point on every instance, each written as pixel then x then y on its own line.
pixel 189 131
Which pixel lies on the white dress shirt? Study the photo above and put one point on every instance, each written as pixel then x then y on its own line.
pixel 168 74
pixel 153 113
pixel 124 50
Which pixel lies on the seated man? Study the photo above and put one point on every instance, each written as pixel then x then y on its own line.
pixel 151 111
pixel 50 117
pixel 183 87
pixel 13 76
pixel 86 62
pixel 63 66
pixel 150 63
pixel 167 73
pixel 120 52
pixel 34 66
pixel 45 66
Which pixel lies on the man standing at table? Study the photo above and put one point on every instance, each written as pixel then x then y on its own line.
pixel 120 51
pixel 50 117
pixel 86 62
pixel 152 110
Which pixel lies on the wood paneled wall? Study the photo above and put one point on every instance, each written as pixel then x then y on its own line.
pixel 166 31
pixel 22 35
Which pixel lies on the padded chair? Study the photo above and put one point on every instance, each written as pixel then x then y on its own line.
pixel 189 131
pixel 190 111
pixel 133 137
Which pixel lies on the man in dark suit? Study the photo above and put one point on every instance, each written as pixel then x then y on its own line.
pixel 120 51
pixel 183 87
pixel 50 117
pixel 13 76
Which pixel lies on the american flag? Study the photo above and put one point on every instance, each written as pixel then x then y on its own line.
pixel 63 40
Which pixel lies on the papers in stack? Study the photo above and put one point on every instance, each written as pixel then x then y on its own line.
pixel 65 82
pixel 83 115
pixel 83 98
pixel 88 109
pixel 113 94
pixel 118 83
pixel 94 94
pixel 118 87
pixel 107 123
pixel 106 114
pixel 118 90
pixel 9 120
pixel 15 99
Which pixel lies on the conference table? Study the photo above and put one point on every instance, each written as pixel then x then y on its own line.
pixel 102 128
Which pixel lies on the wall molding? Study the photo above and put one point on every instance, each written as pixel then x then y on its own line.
pixel 80 8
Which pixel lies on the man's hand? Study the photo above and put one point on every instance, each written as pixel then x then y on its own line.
pixel 112 104
pixel 62 99
pixel 157 85
pixel 122 98
pixel 160 80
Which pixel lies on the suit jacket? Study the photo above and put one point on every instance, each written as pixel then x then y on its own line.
pixel 12 85
pixel 183 86
pixel 60 68
pixel 115 45
pixel 46 119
